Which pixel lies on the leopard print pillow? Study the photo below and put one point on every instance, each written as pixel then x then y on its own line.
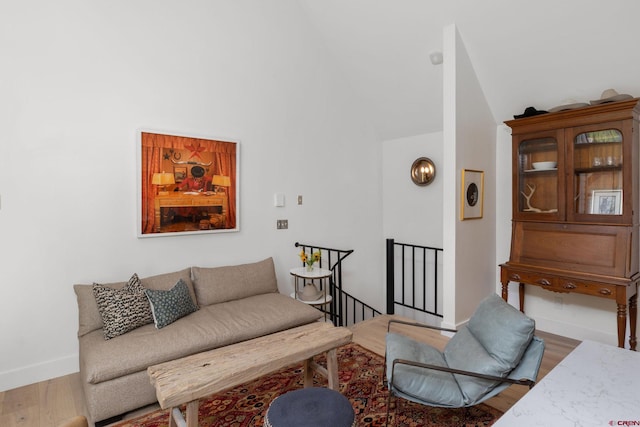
pixel 122 310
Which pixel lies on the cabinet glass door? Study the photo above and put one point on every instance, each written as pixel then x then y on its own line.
pixel 598 160
pixel 538 185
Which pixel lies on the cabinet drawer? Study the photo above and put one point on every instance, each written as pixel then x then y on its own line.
pixel 588 288
pixel 546 281
pixel 561 284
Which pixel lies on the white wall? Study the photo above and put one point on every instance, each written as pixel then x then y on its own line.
pixel 78 78
pixel 469 138
pixel 412 214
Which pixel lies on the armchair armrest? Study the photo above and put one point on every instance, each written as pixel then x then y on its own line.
pixel 420 325
pixel 526 382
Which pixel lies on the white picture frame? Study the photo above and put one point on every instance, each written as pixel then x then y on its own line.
pixel 606 202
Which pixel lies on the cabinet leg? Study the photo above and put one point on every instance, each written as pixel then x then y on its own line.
pixel 505 291
pixel 622 323
pixel 633 319
pixel 521 295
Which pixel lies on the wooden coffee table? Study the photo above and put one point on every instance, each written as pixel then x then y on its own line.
pixel 191 378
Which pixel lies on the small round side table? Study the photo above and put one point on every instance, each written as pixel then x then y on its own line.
pixel 304 278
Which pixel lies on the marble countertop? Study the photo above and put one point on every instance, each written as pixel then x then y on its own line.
pixel 595 385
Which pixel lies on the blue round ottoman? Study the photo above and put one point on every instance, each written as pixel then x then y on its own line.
pixel 310 407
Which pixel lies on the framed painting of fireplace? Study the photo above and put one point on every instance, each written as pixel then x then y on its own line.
pixel 186 184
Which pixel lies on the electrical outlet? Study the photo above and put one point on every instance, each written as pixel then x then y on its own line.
pixel 282 224
pixel 299 200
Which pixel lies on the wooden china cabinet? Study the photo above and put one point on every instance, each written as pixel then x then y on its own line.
pixel 575 206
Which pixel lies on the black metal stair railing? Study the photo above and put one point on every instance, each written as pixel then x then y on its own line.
pixel 415 267
pixel 344 309
pixel 418 276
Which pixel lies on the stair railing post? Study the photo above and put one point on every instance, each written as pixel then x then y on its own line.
pixel 390 277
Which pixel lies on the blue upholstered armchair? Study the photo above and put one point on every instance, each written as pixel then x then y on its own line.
pixel 495 349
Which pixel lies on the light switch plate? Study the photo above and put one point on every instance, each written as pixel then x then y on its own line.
pixel 278 200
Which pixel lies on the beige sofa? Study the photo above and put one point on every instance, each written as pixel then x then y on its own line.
pixel 236 303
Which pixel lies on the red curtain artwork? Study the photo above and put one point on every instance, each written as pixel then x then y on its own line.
pixel 187 198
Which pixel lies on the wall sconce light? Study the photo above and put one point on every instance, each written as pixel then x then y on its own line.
pixel 220 181
pixel 423 171
pixel 162 180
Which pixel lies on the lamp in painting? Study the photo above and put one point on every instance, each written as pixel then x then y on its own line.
pixel 162 179
pixel 220 182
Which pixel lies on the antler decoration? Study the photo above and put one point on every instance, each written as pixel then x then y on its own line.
pixel 528 197
pixel 190 162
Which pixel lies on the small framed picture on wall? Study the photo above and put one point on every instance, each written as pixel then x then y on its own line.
pixel 472 194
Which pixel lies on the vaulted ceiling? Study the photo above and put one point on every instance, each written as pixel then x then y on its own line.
pixel 533 53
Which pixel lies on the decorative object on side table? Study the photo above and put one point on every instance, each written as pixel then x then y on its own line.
pixel 310 292
pixel 310 259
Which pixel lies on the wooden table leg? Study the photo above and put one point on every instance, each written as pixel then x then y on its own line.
pixel 505 290
pixel 332 370
pixel 308 373
pixel 521 296
pixel 192 413
pixel 177 420
pixel 633 319
pixel 622 323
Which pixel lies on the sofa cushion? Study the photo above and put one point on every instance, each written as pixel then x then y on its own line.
pixel 169 306
pixel 209 327
pixel 221 284
pixel 122 310
pixel 89 318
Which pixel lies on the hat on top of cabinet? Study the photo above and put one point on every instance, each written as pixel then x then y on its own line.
pixel 568 104
pixel 610 95
pixel 529 112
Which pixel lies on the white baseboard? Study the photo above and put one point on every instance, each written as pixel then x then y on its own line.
pixel 577 332
pixel 38 372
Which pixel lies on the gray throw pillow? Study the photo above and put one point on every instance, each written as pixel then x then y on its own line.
pixel 122 310
pixel 169 306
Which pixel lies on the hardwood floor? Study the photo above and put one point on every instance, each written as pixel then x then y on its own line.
pixel 51 402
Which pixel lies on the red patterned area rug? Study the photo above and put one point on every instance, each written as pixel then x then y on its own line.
pixel 360 372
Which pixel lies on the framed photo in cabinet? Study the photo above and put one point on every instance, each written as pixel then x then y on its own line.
pixel 606 202
pixel 472 194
